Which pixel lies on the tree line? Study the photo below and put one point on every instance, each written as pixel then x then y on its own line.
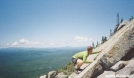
pixel 104 38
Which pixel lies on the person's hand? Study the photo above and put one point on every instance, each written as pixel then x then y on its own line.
pixel 101 50
pixel 91 61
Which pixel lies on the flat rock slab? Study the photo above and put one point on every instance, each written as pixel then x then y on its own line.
pixel 131 63
pixel 84 65
pixel 73 75
pixel 107 74
pixel 119 65
pixel 123 73
pixel 95 68
pixel 128 69
pixel 61 76
pixel 43 76
pixel 92 56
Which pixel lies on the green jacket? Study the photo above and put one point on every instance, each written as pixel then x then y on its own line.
pixel 83 55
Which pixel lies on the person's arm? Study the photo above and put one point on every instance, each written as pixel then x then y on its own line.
pixel 85 59
pixel 96 52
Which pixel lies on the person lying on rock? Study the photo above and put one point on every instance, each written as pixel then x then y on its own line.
pixel 79 58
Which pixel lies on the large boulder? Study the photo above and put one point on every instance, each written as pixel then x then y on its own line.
pixel 129 55
pixel 107 74
pixel 52 74
pixel 95 70
pixel 44 76
pixel 131 63
pixel 119 65
pixel 61 75
pixel 127 70
pixel 72 75
pixel 122 24
pixel 118 50
pixel 114 50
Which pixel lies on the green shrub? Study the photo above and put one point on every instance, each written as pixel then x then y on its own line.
pixel 67 69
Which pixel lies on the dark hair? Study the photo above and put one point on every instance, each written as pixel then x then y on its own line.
pixel 89 48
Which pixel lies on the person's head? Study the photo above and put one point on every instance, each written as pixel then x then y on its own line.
pixel 89 49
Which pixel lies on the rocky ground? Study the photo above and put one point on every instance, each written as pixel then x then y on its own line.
pixel 115 61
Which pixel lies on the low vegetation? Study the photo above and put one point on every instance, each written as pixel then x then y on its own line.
pixel 67 69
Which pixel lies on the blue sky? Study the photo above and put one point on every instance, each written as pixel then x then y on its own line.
pixel 59 23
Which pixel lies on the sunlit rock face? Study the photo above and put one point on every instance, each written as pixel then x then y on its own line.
pixel 120 47
pixel 117 57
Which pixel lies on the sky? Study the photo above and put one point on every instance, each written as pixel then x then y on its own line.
pixel 59 23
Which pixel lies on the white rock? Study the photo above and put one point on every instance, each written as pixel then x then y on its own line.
pixel 128 69
pixel 43 76
pixel 113 50
pixel 52 74
pixel 122 24
pixel 107 74
pixel 119 65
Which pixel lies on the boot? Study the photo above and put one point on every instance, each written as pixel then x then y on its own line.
pixel 76 70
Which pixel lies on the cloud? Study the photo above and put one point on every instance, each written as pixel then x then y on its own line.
pixel 75 41
pixel 5 45
pixel 23 41
pixel 51 43
pixel 15 44
pixel 36 43
pixel 82 39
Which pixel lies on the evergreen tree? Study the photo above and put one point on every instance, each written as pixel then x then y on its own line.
pixel 93 45
pixel 111 33
pixel 97 44
pixel 105 39
pixel 118 23
pixel 121 20
pixel 115 29
pixel 102 41
pixel 132 17
pixel 118 19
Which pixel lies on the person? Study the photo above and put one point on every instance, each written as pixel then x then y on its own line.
pixel 79 58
